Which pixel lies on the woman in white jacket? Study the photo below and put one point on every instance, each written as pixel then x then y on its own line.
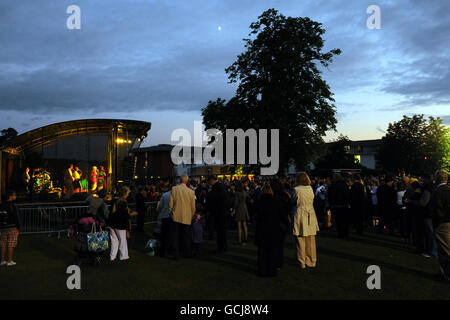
pixel 305 224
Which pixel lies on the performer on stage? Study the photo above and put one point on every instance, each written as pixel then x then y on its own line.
pixel 35 174
pixel 68 182
pixel 76 180
pixel 101 178
pixel 94 178
pixel 26 179
pixel 36 180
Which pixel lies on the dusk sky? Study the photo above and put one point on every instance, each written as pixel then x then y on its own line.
pixel 162 61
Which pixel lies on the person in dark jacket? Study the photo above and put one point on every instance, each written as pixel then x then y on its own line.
pixel 209 216
pixel 285 202
pixel 440 213
pixel 358 201
pixel 268 232
pixel 141 208
pixel 414 201
pixel 218 205
pixel 429 230
pixel 404 211
pixel 119 223
pixel 339 198
pixel 254 194
pixel 9 228
pixel 387 204
pixel 422 222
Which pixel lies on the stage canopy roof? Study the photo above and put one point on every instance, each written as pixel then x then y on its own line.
pixel 47 134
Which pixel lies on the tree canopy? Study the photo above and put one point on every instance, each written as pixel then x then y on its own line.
pixel 337 155
pixel 280 86
pixel 7 134
pixel 415 145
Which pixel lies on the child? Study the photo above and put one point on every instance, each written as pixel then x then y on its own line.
pixel 9 228
pixel 197 229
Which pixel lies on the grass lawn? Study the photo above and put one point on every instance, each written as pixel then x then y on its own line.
pixel 40 272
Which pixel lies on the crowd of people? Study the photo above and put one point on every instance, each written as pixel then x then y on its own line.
pixel 417 209
pixel 414 208
pixel 399 205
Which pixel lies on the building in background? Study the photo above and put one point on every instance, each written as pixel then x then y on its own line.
pixel 153 163
pixel 365 152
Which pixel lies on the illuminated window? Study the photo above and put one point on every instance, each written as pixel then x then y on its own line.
pixel 357 158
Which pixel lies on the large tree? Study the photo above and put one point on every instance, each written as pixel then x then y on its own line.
pixel 415 145
pixel 280 86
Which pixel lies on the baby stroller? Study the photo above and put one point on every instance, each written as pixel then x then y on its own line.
pixel 80 230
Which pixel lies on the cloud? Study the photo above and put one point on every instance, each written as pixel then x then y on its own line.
pixel 380 130
pixel 159 55
pixel 146 55
pixel 341 115
pixel 422 82
pixel 446 120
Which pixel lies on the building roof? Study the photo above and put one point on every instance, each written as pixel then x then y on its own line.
pixel 165 147
pixel 44 135
pixel 375 142
pixel 159 147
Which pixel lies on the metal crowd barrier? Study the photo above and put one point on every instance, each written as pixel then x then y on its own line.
pixel 57 219
pixel 151 215
pixel 42 220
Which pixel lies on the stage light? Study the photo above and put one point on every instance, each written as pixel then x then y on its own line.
pixel 124 141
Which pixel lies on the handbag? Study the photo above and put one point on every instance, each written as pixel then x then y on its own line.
pixel 97 241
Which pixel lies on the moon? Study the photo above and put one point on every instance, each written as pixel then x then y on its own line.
pixel 219 28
